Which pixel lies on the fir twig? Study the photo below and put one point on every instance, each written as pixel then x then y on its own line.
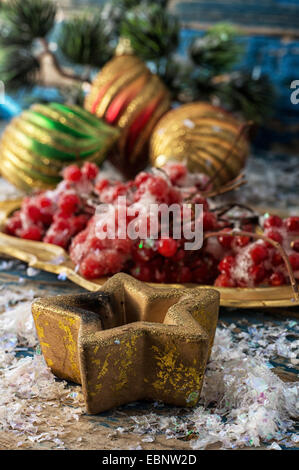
pixel 152 31
pixel 218 49
pixel 85 40
pixel 18 67
pixel 29 19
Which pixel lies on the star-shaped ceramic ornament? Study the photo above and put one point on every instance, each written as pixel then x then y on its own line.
pixel 129 341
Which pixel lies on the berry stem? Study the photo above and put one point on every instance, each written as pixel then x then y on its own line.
pixel 231 186
pixel 258 236
pixel 250 219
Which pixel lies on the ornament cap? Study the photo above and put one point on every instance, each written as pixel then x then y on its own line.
pixel 124 47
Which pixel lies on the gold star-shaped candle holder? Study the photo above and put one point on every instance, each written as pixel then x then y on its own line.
pixel 129 341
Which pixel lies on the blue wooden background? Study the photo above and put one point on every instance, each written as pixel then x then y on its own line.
pixel 271 36
pixel 254 13
pixel 279 59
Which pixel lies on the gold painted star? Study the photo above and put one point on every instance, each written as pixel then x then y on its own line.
pixel 129 341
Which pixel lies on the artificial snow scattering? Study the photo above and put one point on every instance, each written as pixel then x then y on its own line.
pixel 8 191
pixel 272 181
pixel 243 403
pixel 11 297
pixel 27 388
pixel 33 404
pixel 17 326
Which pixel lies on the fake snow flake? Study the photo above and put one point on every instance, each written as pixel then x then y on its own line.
pixel 62 276
pixel 31 272
pixel 148 439
pixel 9 298
pixel 188 123
pixel 58 260
pixel 18 321
pixel 6 265
pixel 274 446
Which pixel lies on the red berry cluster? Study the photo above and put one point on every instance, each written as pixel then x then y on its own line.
pixel 56 216
pixel 64 217
pixel 248 263
pixel 161 260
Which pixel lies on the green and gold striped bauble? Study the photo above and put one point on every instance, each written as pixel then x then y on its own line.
pixel 39 143
pixel 207 138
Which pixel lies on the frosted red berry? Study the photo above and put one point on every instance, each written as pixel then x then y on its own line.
pixel 90 170
pixel 292 224
pixel 13 224
pixel 259 253
pixel 141 178
pixel 69 203
pixel 258 273
pixel 277 279
pixel 241 241
pixel 224 240
pixel 274 235
pixel 226 264
pixel 45 202
pixel 102 184
pixel 224 280
pixel 294 260
pixel 72 173
pixel 32 233
pixel 158 187
pixel 33 212
pixel 167 247
pixel 209 221
pixel 272 221
pixel 176 172
pixel 277 259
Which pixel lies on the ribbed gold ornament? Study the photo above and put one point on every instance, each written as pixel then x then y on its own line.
pixel 207 138
pixel 39 143
pixel 127 95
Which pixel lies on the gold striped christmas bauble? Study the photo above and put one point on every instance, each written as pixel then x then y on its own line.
pixel 207 138
pixel 127 95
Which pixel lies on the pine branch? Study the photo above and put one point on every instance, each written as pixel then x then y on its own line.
pixel 152 31
pixel 18 67
pixel 176 73
pixel 28 20
pixel 217 50
pixel 85 40
pixel 10 35
pixel 244 92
